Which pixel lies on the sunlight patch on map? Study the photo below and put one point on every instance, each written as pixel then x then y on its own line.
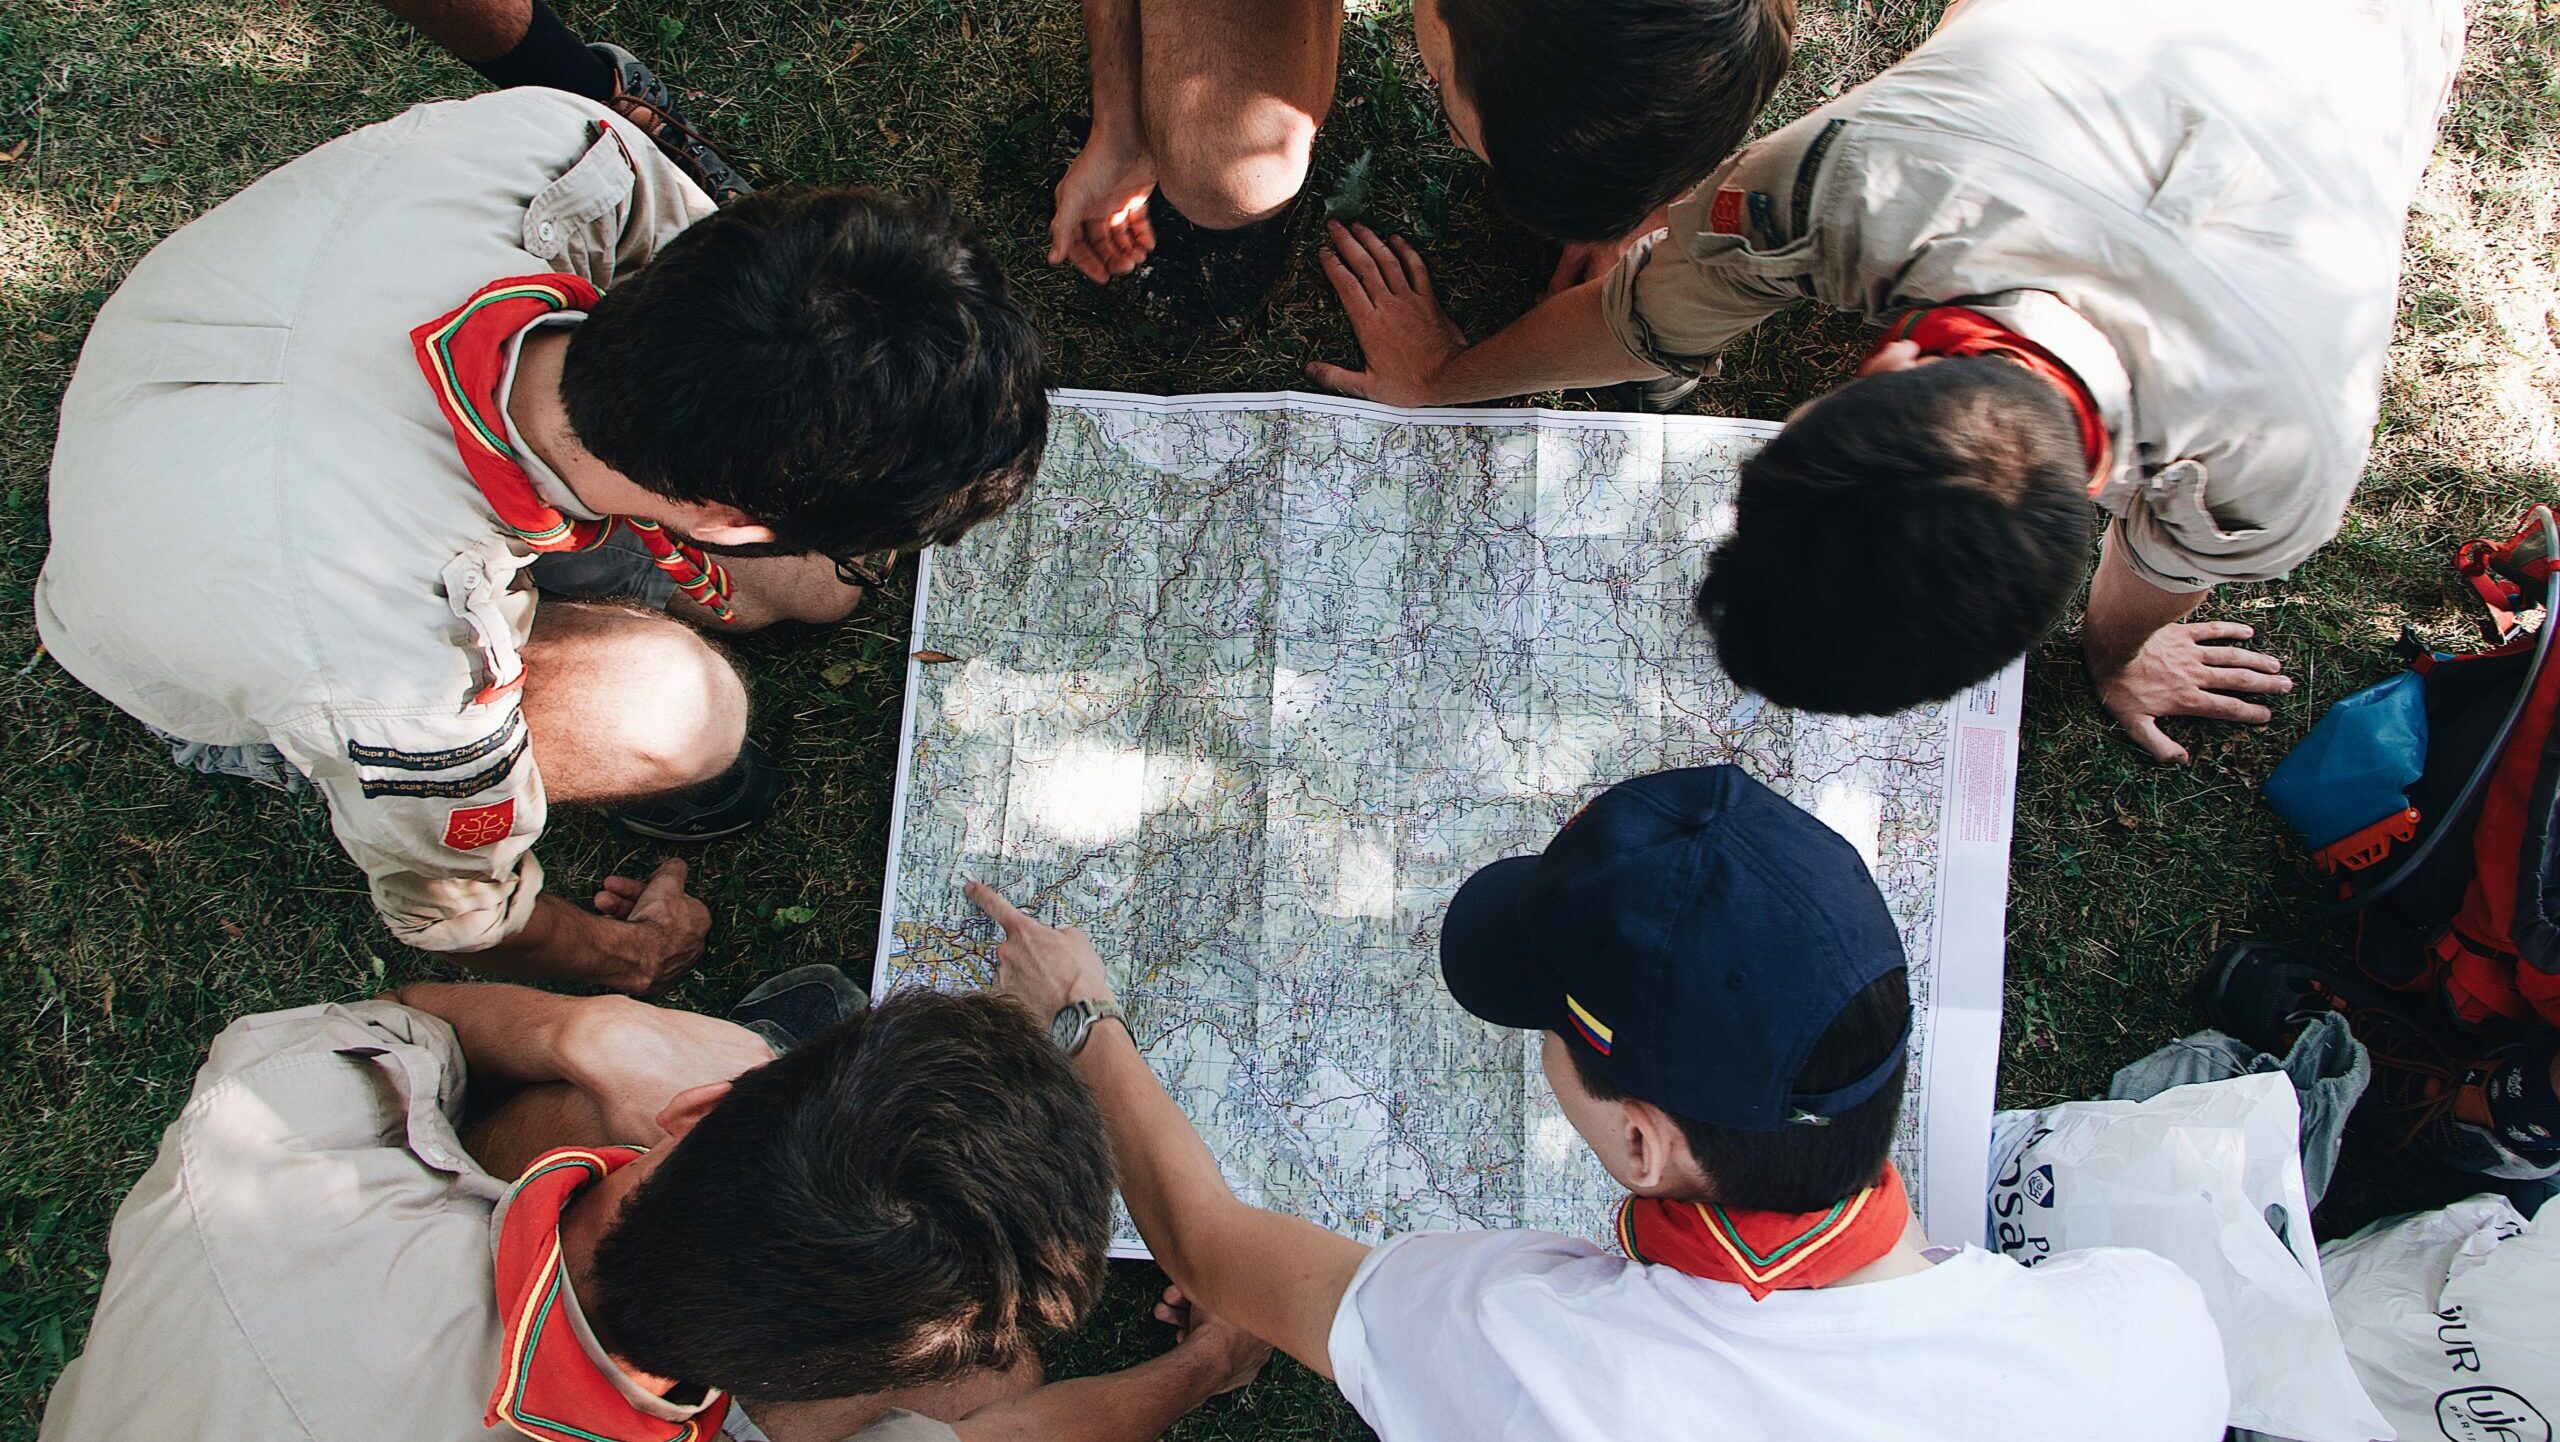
pixel 1856 812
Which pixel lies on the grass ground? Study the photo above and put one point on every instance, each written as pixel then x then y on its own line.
pixel 140 910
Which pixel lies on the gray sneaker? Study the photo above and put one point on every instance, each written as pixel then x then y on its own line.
pixel 1657 397
pixel 796 1005
pixel 735 801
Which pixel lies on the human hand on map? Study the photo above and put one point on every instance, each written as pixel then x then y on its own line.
pixel 1405 337
pixel 1045 967
pixel 2185 670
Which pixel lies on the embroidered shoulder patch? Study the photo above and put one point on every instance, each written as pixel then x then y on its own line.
pixel 470 828
pixel 1724 217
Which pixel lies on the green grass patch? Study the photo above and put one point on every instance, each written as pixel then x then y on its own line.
pixel 141 910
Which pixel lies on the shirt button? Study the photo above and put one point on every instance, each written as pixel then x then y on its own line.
pixel 547 230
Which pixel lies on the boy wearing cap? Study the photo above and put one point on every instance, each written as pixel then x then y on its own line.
pixel 1725 1009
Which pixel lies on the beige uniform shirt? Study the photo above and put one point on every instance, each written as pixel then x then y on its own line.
pixel 312 1254
pixel 262 530
pixel 2195 204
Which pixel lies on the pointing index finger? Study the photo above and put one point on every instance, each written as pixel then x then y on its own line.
pixel 1004 912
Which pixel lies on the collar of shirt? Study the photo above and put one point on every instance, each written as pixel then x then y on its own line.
pixel 554 1383
pixel 2068 337
pixel 642 1400
pixel 547 484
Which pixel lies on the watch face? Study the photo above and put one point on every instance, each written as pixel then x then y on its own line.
pixel 1067 1025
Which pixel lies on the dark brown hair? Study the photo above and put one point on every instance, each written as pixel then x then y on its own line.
pixel 1904 538
pixel 918 1193
pixel 844 366
pixel 1595 112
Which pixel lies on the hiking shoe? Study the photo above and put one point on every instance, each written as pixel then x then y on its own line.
pixel 1197 278
pixel 727 804
pixel 2429 1095
pixel 1657 397
pixel 641 97
pixel 2264 993
pixel 789 1008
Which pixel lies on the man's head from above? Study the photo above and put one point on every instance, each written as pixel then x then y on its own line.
pixel 1594 113
pixel 1722 989
pixel 819 369
pixel 1904 537
pixel 919 1193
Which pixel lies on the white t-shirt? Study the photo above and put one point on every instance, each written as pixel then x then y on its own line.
pixel 1474 1336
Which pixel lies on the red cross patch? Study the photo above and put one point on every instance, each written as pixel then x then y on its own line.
pixel 472 827
pixel 1724 217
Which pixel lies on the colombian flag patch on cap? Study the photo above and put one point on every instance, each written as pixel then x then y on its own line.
pixel 1600 1036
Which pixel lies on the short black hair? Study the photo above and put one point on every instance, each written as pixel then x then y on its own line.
pixel 845 366
pixel 1596 112
pixel 1904 538
pixel 918 1193
pixel 1803 1168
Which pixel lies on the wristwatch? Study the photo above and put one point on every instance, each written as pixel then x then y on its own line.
pixel 1073 1025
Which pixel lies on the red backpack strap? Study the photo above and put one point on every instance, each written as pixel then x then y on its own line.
pixel 2501 572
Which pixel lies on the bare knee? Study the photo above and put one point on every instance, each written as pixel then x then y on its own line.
pixel 625 703
pixel 1227 160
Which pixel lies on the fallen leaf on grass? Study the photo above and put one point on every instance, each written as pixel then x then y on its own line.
pixel 10 155
pixel 837 674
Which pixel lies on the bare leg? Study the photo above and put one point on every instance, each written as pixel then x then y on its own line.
pixel 624 703
pixel 766 589
pixel 511 42
pixel 1216 100
pixel 1232 92
pixel 474 30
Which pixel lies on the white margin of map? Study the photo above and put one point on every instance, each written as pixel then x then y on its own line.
pixel 1960 1060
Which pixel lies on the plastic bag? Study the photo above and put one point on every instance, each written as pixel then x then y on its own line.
pixel 2210 1177
pixel 2451 1319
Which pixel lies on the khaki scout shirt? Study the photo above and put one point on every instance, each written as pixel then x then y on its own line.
pixel 2197 205
pixel 262 529
pixel 312 1254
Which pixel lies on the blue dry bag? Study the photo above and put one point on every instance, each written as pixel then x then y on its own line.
pixel 2351 775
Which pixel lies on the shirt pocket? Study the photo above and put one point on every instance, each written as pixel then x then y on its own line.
pixel 575 223
pixel 2177 496
pixel 2214 177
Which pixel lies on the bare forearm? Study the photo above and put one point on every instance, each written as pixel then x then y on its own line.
pixel 1563 343
pixel 510 1034
pixel 2125 609
pixel 1131 1406
pixel 560 938
pixel 1278 1277
pixel 1111 35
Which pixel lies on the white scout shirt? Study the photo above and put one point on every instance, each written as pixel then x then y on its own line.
pixel 1532 1337
pixel 262 530
pixel 2197 205
pixel 312 1254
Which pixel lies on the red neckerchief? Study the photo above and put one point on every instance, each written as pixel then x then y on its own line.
pixel 548 1387
pixel 1764 1252
pixel 464 353
pixel 1954 330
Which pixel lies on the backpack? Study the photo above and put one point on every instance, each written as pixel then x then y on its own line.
pixel 2432 803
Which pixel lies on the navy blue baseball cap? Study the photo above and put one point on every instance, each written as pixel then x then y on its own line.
pixel 1698 931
